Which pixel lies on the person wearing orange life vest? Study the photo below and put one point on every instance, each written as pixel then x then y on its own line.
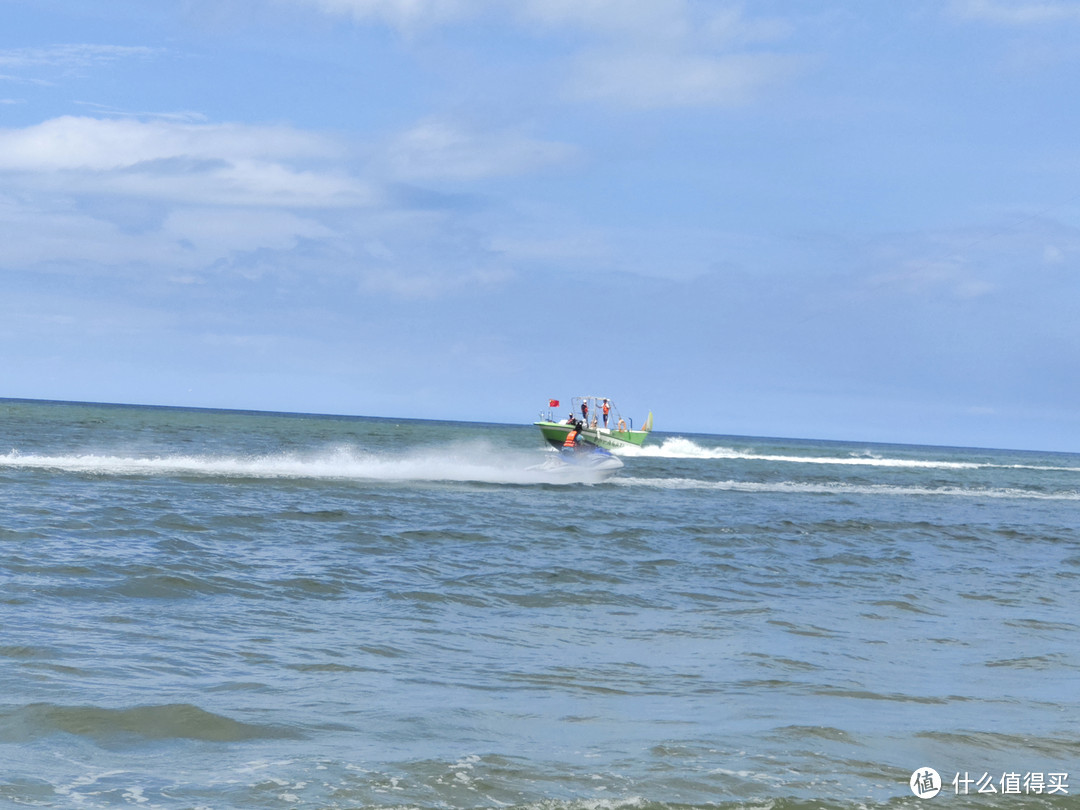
pixel 572 438
pixel 606 409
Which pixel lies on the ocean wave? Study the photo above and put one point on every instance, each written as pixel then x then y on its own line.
pixel 838 488
pixel 679 447
pixel 476 462
pixel 481 463
pixel 23 724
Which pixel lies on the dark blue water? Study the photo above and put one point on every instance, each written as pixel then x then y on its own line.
pixel 238 610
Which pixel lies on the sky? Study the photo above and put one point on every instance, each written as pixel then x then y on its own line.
pixel 828 220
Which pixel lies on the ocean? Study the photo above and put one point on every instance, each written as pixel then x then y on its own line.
pixel 211 609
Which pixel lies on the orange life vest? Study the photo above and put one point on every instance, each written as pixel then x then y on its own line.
pixel 570 438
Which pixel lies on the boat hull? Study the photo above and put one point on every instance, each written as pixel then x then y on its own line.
pixel 555 434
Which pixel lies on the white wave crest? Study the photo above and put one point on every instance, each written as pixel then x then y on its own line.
pixel 838 488
pixel 679 447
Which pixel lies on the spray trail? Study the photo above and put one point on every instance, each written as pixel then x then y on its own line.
pixel 475 463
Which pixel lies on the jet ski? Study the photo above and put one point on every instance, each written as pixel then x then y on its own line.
pixel 586 464
pixel 590 457
pixel 580 461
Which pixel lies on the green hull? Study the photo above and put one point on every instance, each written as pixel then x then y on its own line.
pixel 555 433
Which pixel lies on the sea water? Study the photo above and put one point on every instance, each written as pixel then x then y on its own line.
pixel 248 610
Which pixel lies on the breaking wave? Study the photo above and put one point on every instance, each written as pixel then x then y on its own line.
pixel 679 447
pixel 839 488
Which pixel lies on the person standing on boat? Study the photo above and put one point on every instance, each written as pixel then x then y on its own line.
pixel 606 409
pixel 585 411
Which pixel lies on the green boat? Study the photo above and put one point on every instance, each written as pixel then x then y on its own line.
pixel 611 433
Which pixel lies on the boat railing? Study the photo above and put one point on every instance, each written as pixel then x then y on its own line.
pixel 595 409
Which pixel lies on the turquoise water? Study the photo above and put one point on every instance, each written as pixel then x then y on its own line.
pixel 244 610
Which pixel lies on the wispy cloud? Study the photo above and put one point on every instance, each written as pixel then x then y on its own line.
pixel 69 58
pixel 7 77
pixel 677 79
pixel 109 111
pixel 973 263
pixel 671 53
pixel 188 238
pixel 403 14
pixel 641 54
pixel 655 20
pixel 1018 12
pixel 438 150
pixel 931 278
pixel 416 286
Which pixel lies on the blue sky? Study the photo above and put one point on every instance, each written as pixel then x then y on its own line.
pixel 818 220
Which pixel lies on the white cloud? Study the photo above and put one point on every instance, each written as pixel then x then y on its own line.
pixel 240 230
pixel 1052 254
pixel 667 53
pixel 639 53
pixel 1018 12
pixel 437 150
pixel 404 14
pixel 72 142
pixel 638 19
pixel 200 163
pixel 650 18
pixel 682 21
pixel 118 192
pixel 673 79
pixel 188 239
pixel 418 286
pixel 33 234
pixel 185 198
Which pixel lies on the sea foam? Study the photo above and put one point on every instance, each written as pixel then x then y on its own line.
pixel 475 462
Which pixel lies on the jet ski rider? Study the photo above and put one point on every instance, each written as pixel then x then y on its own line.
pixel 573 438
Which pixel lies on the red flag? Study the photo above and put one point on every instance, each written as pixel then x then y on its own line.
pixel 553 403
